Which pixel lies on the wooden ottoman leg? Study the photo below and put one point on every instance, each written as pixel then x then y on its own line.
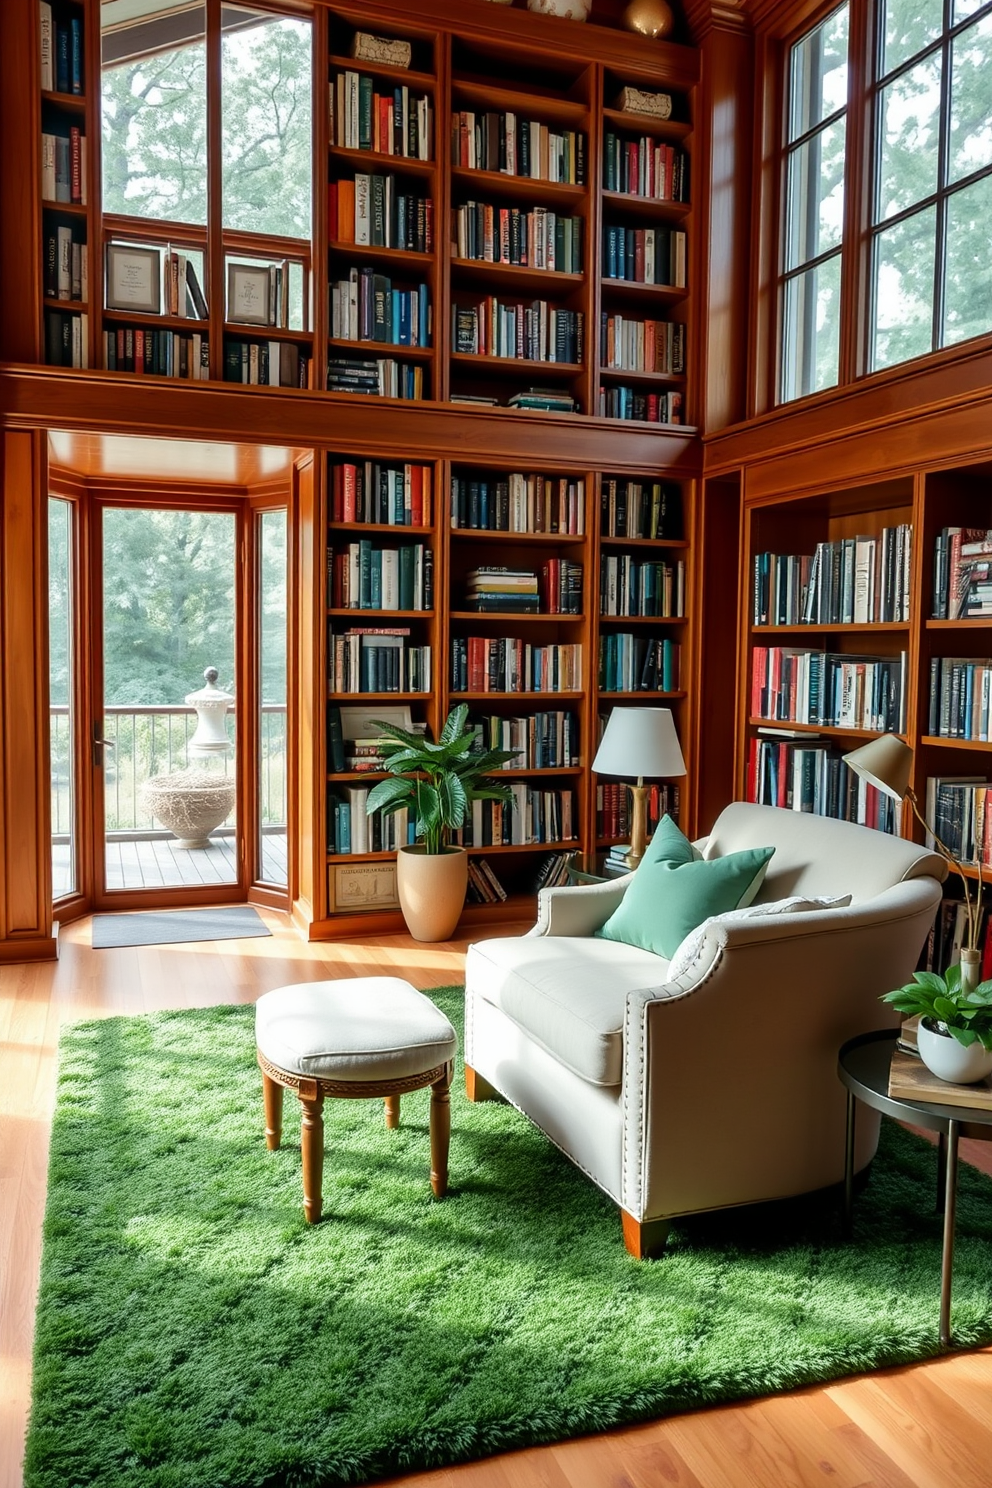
pixel 272 1093
pixel 312 1151
pixel 392 1105
pixel 440 1131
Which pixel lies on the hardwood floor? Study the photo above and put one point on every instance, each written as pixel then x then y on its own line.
pixel 929 1426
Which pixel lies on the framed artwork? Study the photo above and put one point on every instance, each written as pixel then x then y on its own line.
pixel 248 294
pixel 134 279
pixel 357 887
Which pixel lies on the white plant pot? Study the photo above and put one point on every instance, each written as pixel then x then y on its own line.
pixel 431 889
pixel 949 1060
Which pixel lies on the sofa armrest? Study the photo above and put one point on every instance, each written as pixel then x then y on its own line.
pixel 580 910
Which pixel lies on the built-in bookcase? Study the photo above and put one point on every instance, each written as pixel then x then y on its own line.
pixel 65 183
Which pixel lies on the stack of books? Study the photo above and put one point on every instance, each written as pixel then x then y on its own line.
pixel 554 871
pixel 550 399
pixel 618 860
pixel 495 589
pixel 962 573
pixel 483 885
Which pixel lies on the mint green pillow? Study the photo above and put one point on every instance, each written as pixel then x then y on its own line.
pixel 672 892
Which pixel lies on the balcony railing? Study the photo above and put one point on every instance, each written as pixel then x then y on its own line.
pixel 151 740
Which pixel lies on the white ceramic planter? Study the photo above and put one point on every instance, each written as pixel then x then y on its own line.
pixel 568 10
pixel 431 889
pixel 949 1060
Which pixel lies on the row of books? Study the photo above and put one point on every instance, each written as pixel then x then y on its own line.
pixel 379 659
pixel 497 589
pixel 351 830
pixel 947 936
pixel 829 688
pixel 962 573
pixel 960 697
pixel 533 815
pixel 632 508
pixel 396 122
pixel 810 775
pixel 63 166
pixel 554 872
pixel 383 378
pixel 61 51
pixel 622 402
pixel 851 581
pixel 512 146
pixel 645 255
pixel 630 586
pixel 635 663
pixel 540 741
pixel 536 239
pixel 66 265
pixel 157 353
pixel 614 812
pixel 184 296
pixel 365 577
pixel 535 332
pixel 66 339
pixel 345 744
pixel 392 495
pixel 271 363
pixel 366 307
pixel 510 664
pixel 483 885
pixel 371 212
pixel 641 345
pixel 645 167
pixel 960 810
pixel 519 502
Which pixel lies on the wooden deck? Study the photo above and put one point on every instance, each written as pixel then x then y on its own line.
pixel 160 863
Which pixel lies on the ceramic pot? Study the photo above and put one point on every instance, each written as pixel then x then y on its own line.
pixel 568 10
pixel 949 1060
pixel 431 889
pixel 191 803
pixel 654 18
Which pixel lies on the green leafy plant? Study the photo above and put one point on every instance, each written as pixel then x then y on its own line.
pixel 946 1006
pixel 437 782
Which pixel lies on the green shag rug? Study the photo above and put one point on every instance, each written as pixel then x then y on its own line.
pixel 193 1332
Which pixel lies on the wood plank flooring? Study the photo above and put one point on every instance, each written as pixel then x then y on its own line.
pixel 159 862
pixel 928 1426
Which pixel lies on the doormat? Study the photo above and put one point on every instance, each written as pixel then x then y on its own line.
pixel 171 927
pixel 193 1330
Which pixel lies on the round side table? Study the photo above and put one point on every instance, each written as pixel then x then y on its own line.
pixel 863 1067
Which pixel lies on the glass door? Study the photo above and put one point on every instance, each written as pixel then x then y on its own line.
pixel 165 736
pixel 273 698
pixel 61 694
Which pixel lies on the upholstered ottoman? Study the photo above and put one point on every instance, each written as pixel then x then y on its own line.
pixel 353 1040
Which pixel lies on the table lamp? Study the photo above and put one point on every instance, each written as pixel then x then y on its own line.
pixel 639 741
pixel 886 763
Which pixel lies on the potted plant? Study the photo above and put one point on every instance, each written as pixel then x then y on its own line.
pixel 955 1030
pixel 437 783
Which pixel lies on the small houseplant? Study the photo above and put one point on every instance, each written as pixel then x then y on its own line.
pixel 437 783
pixel 955 1030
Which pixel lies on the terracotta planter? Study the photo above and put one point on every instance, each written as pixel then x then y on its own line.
pixel 431 889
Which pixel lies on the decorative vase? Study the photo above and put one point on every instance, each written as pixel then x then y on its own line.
pixel 654 18
pixel 949 1060
pixel 431 889
pixel 568 10
pixel 191 803
pixel 971 969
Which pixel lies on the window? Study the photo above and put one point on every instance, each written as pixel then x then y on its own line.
pixel 816 137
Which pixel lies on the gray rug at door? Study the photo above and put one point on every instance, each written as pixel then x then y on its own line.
pixel 174 926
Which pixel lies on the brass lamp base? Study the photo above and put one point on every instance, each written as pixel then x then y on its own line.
pixel 639 823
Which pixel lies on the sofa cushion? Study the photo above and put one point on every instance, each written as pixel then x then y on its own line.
pixel 672 891
pixel 568 993
pixel 687 952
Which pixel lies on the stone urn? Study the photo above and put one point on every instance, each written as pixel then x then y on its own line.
pixel 190 803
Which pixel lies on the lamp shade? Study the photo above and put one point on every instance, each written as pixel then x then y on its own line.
pixel 639 742
pixel 885 763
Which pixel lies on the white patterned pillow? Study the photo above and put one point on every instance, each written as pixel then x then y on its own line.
pixel 686 953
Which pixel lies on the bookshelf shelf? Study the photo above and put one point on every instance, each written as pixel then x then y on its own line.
pixel 477 270
pixel 783 726
pixel 485 697
pixel 515 617
pixel 68 209
pixel 547 107
pixel 635 290
pixel 514 366
pixel 640 694
pixel 242 332
pixel 522 847
pixel 659 544
pixel 353 614
pixel 888 627
pixel 71 103
pixel 423 82
pixel 643 619
pixel 366 161
pixel 659 209
pixel 376 349
pixel 937 741
pixel 561 194
pixel 483 534
pixel 979 622
pixel 400 258
pixel 623 374
pixel 664 129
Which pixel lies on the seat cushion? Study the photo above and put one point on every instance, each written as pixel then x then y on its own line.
pixel 568 993
pixel 672 891
pixel 363 1029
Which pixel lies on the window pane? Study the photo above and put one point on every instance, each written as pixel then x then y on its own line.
pixel 62 722
pixel 968 272
pixel 965 8
pixel 266 123
pixel 910 133
pixel 273 695
pixel 971 100
pixel 815 210
pixel 907 27
pixel 154 107
pixel 811 341
pixel 902 318
pixel 818 74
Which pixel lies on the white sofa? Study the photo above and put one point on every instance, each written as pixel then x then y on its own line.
pixel 719 1088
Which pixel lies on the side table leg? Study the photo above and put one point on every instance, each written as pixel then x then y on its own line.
pixel 849 1168
pixel 947 1256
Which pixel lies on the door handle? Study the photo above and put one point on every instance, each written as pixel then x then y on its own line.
pixel 98 746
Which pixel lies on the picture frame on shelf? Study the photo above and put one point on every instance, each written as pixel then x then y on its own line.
pixel 248 294
pixel 360 888
pixel 134 279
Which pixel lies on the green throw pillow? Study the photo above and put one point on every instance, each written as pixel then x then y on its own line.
pixel 672 892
